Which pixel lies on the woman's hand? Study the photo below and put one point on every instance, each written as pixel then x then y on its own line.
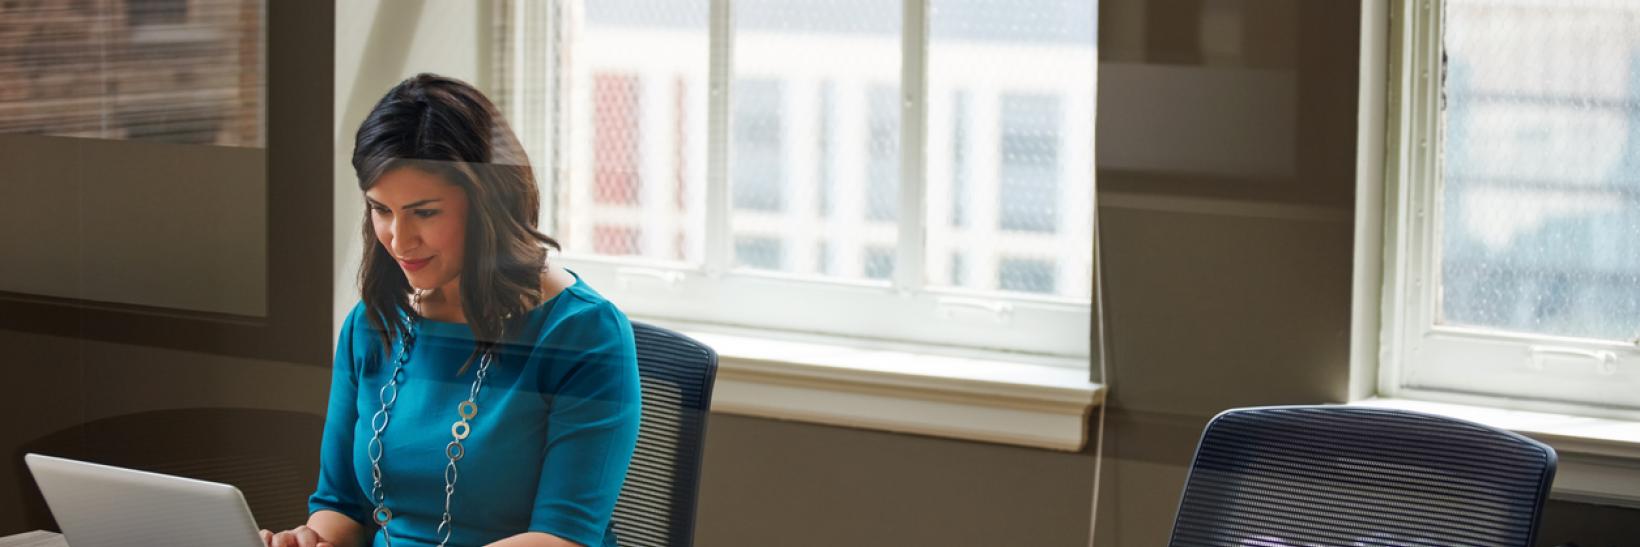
pixel 300 536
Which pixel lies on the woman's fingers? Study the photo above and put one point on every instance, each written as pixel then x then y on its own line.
pixel 306 537
pixel 300 536
pixel 290 538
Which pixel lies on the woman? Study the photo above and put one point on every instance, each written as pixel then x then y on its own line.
pixel 481 394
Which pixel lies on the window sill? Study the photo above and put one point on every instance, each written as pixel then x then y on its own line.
pixel 1599 458
pixel 987 399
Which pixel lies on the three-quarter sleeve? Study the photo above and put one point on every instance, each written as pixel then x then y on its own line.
pixel 592 426
pixel 338 488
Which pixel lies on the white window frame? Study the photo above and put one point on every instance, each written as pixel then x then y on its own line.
pixel 1418 359
pixel 900 314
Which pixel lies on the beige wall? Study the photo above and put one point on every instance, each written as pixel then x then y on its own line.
pixel 378 44
pixel 1225 289
pixel 1224 286
pixel 85 212
pixel 54 383
pixel 56 380
pixel 769 482
pixel 72 204
pixel 1222 290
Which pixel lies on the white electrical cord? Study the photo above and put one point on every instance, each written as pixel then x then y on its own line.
pixel 1104 376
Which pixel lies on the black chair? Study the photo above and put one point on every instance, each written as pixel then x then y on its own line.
pixel 1353 476
pixel 656 507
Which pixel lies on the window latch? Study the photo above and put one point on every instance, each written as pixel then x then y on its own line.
pixel 952 307
pixel 666 279
pixel 1540 357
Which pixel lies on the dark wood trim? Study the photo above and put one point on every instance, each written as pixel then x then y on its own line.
pixel 300 144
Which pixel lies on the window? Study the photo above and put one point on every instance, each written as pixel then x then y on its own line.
pixel 757 134
pixel 93 106
pixel 1513 268
pixel 759 252
pixel 149 114
pixel 825 156
pixel 615 240
pixel 959 161
pixel 855 168
pixel 615 155
pixel 883 153
pixel 100 70
pixel 1030 160
pixel 156 12
pixel 1026 275
pixel 879 262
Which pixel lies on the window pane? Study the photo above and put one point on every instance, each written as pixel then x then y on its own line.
pixel 615 240
pixel 961 169
pixel 883 154
pixel 757 157
pixel 759 252
pixel 614 139
pixel 1010 145
pixel 156 12
pixel 815 118
pixel 163 71
pixel 1026 275
pixel 826 160
pixel 636 153
pixel 1027 200
pixel 1540 218
pixel 879 262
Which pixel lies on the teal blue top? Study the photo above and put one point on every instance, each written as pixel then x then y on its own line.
pixel 548 450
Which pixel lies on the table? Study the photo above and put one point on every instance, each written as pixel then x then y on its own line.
pixel 37 538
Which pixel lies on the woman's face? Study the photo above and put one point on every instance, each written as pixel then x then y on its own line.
pixel 421 219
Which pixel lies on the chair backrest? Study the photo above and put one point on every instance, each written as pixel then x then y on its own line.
pixel 1341 475
pixel 656 507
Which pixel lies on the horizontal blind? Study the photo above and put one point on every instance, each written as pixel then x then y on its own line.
pixel 178 71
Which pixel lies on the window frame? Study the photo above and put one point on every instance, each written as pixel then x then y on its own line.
pixel 904 311
pixel 1417 358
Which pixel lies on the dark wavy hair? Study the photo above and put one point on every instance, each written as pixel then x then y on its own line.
pixel 443 126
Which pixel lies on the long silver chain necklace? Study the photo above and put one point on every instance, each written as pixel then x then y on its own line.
pixel 454 451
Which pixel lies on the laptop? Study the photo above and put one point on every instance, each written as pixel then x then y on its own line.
pixel 101 505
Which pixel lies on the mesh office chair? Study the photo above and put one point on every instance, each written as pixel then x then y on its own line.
pixel 1352 476
pixel 656 507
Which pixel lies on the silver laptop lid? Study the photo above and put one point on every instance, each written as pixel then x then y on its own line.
pixel 100 505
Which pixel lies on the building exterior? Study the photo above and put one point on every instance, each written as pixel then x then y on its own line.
pixel 814 136
pixel 1541 169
